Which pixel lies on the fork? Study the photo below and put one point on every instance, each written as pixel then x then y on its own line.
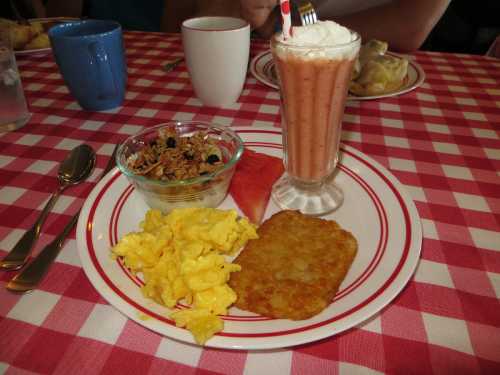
pixel 307 13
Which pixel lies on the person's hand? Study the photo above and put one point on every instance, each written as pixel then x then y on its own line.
pixel 257 12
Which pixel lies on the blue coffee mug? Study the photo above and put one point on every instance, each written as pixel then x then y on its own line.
pixel 91 59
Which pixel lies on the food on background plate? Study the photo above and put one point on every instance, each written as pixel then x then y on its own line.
pixel 26 37
pixel 368 51
pixel 376 72
pixel 381 75
pixel 295 267
pixel 172 157
pixel 252 182
pixel 181 258
pixel 38 42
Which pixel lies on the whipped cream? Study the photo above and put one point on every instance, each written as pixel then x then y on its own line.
pixel 321 33
pixel 321 39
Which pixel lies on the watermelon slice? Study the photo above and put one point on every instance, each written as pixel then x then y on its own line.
pixel 252 182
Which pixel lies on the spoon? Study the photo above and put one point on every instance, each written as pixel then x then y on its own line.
pixel 75 168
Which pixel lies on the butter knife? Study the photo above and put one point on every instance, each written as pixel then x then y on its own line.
pixel 34 272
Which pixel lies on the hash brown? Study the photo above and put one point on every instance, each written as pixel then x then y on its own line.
pixel 295 267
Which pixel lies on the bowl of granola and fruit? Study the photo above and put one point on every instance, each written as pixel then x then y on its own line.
pixel 181 164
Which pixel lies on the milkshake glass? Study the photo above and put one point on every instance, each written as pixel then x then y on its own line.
pixel 314 68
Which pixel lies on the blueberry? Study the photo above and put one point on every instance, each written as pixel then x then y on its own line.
pixel 212 159
pixel 171 143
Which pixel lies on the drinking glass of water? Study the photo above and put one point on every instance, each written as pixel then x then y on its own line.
pixel 13 109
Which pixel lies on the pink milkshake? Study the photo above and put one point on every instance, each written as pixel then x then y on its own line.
pixel 314 67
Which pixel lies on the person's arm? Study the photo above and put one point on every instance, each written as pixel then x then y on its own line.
pixel 259 13
pixel 404 24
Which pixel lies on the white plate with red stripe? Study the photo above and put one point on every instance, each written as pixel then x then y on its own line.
pixel 376 209
pixel 262 68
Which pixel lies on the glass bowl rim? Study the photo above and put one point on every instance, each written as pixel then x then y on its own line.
pixel 190 181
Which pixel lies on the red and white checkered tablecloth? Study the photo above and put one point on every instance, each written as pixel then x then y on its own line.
pixel 442 141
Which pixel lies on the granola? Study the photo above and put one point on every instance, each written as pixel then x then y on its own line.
pixel 172 157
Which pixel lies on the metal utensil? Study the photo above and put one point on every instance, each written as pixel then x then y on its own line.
pixel 75 168
pixel 33 273
pixel 168 67
pixel 307 13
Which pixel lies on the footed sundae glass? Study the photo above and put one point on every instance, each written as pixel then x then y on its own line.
pixel 314 81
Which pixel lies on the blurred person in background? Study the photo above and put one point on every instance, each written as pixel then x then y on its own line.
pixel 404 24
pixel 407 25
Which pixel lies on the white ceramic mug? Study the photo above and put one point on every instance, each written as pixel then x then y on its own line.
pixel 216 51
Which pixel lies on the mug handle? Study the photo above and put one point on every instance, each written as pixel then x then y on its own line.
pixel 105 77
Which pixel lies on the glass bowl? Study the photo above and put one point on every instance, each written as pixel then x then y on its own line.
pixel 207 190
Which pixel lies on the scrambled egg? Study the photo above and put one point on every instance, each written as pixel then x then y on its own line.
pixel 181 256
